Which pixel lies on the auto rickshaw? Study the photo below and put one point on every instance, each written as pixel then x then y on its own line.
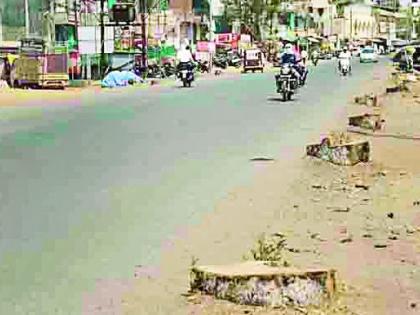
pixel 253 60
pixel 35 66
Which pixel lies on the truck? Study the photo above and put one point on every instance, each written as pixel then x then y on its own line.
pixel 38 67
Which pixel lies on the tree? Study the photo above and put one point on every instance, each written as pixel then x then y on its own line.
pixel 253 14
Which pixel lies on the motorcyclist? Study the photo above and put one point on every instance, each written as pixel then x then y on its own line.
pixel 315 56
pixel 304 56
pixel 345 56
pixel 289 57
pixel 185 58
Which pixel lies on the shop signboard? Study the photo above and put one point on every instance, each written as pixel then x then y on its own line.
pixel 202 46
pixel 124 39
pixel 223 38
pixel 245 38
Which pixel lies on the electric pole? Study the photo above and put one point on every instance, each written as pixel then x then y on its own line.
pixel 1 26
pixel 102 60
pixel 26 18
pixel 143 11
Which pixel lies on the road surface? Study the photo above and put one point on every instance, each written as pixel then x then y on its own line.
pixel 92 187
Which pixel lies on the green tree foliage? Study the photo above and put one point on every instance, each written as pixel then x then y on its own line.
pixel 253 14
pixel 12 10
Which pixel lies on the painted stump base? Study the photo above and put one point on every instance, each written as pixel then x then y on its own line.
pixel 367 121
pixel 350 153
pixel 258 283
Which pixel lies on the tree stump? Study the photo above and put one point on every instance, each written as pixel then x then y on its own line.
pixel 258 283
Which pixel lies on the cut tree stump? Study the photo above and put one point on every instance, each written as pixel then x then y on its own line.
pixel 367 121
pixel 259 283
pixel 350 153
pixel 367 99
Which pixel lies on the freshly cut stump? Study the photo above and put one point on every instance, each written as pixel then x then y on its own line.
pixel 349 153
pixel 367 121
pixel 259 283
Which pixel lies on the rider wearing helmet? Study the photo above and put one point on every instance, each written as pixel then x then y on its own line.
pixel 289 57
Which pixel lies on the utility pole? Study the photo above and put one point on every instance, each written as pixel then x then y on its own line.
pixel 102 60
pixel 1 26
pixel 26 17
pixel 143 11
pixel 351 23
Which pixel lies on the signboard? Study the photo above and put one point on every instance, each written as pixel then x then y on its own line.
pixel 223 38
pixel 203 46
pixel 244 38
pixel 124 39
pixel 90 40
pixel 202 56
pixel 212 47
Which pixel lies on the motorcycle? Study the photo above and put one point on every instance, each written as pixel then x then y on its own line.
pixel 344 67
pixel 203 66
pixel 220 61
pixel 303 71
pixel 286 82
pixel 186 74
pixel 168 69
pixel 234 60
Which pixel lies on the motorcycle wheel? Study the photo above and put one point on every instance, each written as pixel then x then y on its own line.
pixel 185 83
pixel 285 96
pixel 289 96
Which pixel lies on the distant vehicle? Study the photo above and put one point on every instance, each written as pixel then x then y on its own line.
pixel 35 67
pixel 368 54
pixel 253 60
pixel 325 55
pixel 356 51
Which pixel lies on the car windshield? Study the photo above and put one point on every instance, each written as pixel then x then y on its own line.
pixel 367 51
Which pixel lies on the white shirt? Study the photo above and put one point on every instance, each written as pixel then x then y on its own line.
pixel 184 55
pixel 345 55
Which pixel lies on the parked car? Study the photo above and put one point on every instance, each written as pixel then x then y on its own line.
pixel 368 54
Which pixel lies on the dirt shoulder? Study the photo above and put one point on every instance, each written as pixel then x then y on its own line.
pixel 369 234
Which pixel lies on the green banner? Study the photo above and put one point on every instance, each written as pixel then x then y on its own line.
pixel 111 3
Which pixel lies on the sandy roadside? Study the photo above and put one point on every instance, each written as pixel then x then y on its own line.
pixel 282 199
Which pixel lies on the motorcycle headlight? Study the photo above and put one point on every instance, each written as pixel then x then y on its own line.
pixel 285 70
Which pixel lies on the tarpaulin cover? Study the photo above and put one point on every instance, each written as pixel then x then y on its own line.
pixel 119 78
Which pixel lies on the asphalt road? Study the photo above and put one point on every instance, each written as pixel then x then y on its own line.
pixel 92 187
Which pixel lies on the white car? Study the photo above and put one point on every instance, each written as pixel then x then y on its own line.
pixel 368 54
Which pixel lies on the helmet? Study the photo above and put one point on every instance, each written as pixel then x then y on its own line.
pixel 288 46
pixel 345 48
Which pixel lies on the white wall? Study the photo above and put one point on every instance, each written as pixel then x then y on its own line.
pixel 360 18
